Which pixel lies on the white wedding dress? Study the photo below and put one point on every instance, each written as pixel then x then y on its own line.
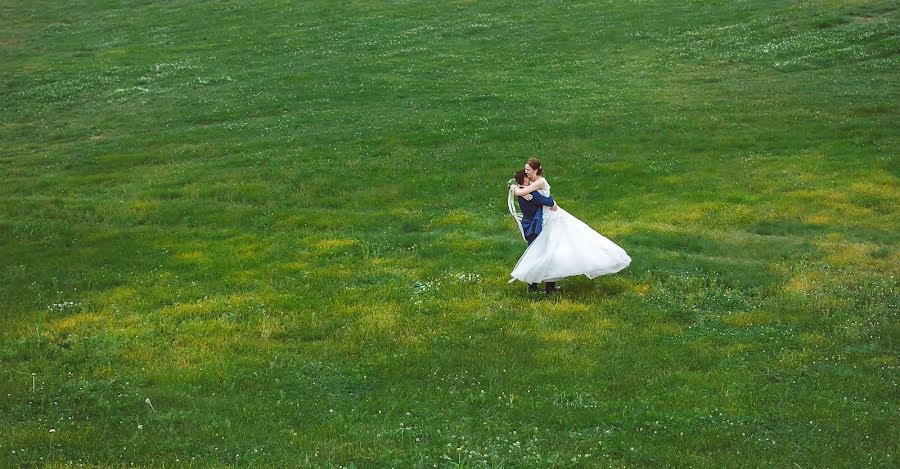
pixel 568 247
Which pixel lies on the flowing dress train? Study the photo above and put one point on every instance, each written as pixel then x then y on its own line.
pixel 568 247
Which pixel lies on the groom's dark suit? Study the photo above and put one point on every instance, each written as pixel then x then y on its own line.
pixel 533 214
pixel 532 222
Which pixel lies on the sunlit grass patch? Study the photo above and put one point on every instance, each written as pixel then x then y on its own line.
pixel 332 245
pixel 881 196
pixel 846 253
pixel 740 349
pixel 884 360
pixel 694 213
pixel 563 336
pixel 190 256
pixel 249 248
pixel 843 252
pixel 796 358
pixel 120 296
pixel 195 335
pixel 565 306
pixel 245 277
pixel 640 288
pixel 466 306
pixel 142 207
pixel 81 323
pixel 455 217
pixel 270 327
pixel 829 204
pixel 751 318
pixel 663 329
pixel 296 266
pixel 377 317
pixel 464 242
pixel 813 338
pixel 207 307
pixel 820 219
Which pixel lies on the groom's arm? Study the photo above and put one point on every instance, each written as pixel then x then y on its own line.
pixel 543 200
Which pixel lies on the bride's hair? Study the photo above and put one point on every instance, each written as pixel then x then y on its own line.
pixel 536 165
pixel 520 177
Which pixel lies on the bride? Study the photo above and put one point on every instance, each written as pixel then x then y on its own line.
pixel 566 246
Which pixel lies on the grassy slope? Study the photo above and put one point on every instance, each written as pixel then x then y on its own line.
pixel 283 224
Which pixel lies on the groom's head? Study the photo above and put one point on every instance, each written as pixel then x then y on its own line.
pixel 520 177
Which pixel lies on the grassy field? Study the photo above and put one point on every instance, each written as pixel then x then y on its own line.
pixel 274 233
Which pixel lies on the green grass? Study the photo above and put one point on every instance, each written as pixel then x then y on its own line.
pixel 274 233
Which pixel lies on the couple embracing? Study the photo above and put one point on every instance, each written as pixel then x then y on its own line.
pixel 559 245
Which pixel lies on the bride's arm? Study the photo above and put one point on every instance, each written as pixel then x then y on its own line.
pixel 535 185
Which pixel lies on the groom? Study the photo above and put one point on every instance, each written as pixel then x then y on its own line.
pixel 533 219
